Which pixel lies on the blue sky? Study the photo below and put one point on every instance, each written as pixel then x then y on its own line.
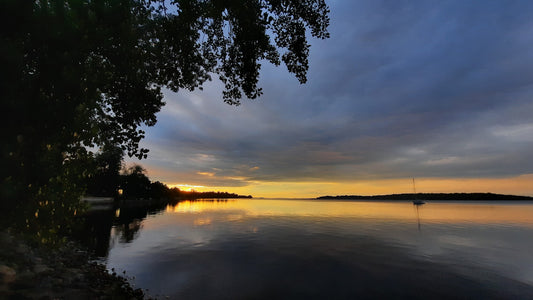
pixel 437 90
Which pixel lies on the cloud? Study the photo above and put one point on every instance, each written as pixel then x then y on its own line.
pixel 402 89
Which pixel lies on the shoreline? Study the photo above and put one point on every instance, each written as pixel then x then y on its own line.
pixel 66 272
pixel 433 196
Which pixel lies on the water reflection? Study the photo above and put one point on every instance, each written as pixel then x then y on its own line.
pixel 196 206
pixel 437 212
pixel 240 249
pixel 417 207
pixel 102 229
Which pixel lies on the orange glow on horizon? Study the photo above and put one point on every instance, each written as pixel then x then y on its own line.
pixel 518 185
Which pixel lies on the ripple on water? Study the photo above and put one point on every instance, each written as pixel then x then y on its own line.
pixel 298 249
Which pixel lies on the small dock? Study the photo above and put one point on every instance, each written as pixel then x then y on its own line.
pixel 98 203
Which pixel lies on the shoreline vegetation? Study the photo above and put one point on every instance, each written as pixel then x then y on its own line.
pixel 134 186
pixel 182 196
pixel 434 197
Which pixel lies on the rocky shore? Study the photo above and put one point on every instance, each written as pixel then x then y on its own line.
pixel 64 272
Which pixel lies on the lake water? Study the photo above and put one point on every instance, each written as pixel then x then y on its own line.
pixel 322 249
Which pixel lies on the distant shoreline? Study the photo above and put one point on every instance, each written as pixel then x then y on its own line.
pixel 434 196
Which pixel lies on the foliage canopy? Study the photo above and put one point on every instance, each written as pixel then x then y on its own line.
pixel 91 72
pixel 84 73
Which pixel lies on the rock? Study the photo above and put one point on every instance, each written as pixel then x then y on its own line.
pixel 33 272
pixel 21 248
pixel 36 260
pixel 7 274
pixel 40 268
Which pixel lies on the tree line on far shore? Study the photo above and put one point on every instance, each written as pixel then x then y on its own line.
pixel 110 179
pixel 433 196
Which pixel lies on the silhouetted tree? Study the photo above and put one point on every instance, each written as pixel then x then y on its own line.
pixel 135 184
pixel 84 73
pixel 173 194
pixel 105 178
pixel 159 190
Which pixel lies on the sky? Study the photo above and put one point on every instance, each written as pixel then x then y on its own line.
pixel 440 91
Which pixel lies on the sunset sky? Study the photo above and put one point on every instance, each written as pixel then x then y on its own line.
pixel 440 91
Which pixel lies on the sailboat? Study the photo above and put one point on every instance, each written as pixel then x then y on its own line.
pixel 416 201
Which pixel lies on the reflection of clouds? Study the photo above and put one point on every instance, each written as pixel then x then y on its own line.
pixel 195 206
pixel 183 207
pixel 234 217
pixel 202 221
pixel 435 212
pixel 492 240
pixel 454 240
pixel 499 247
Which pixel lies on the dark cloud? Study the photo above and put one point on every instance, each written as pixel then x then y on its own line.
pixel 402 88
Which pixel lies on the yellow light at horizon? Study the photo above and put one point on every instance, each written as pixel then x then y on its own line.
pixel 518 185
pixel 186 187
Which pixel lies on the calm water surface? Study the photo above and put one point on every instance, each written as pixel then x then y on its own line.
pixel 301 249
